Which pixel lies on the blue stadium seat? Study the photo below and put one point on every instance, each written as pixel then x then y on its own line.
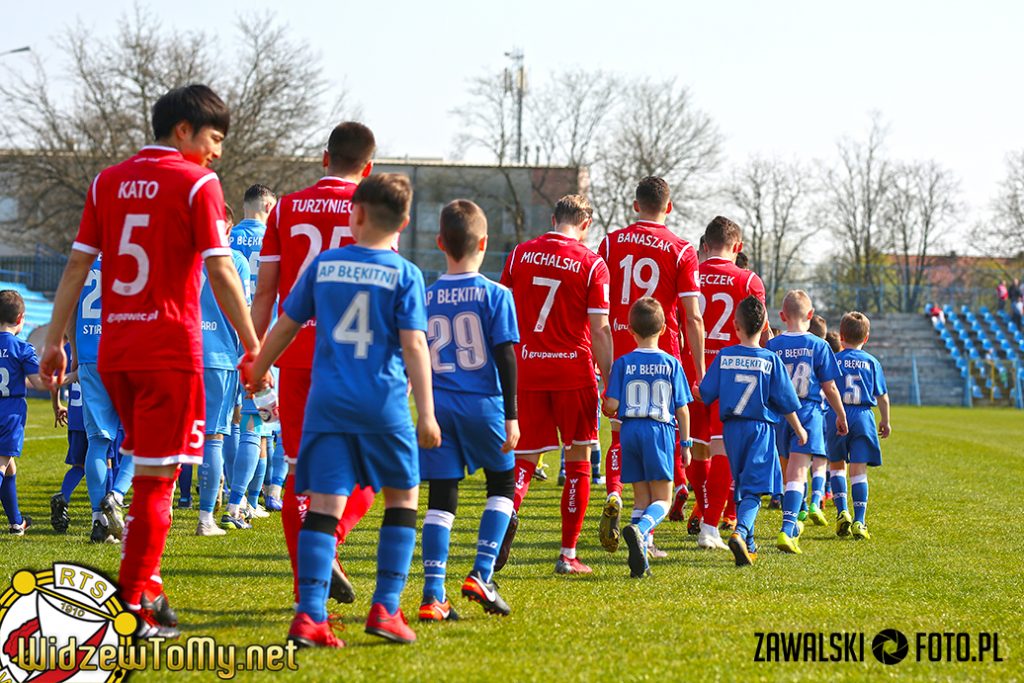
pixel 984 310
pixel 965 309
pixel 948 310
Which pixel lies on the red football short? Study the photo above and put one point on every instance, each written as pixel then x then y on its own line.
pixel 291 400
pixel 546 415
pixel 163 413
pixel 705 422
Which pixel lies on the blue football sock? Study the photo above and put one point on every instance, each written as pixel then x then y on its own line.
pixel 394 555
pixel 635 515
pixel 230 449
pixel 246 460
pixel 72 478
pixel 278 466
pixel 9 498
pixel 96 470
pixel 791 507
pixel 746 515
pixel 253 493
pixel 839 491
pixel 817 491
pixel 652 516
pixel 210 473
pixel 859 491
pixel 185 482
pixel 803 498
pixel 125 474
pixel 437 531
pixel 493 524
pixel 828 481
pixel 317 547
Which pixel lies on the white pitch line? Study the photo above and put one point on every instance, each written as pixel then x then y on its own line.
pixel 43 438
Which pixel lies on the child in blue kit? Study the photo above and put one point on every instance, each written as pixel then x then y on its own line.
pixel 472 331
pixel 863 387
pixel 370 308
pixel 752 388
pixel 19 366
pixel 649 391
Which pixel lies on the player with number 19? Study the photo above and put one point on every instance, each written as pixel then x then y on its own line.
pixel 752 389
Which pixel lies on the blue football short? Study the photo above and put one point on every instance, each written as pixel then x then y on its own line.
pixel 78 444
pixel 472 434
pixel 221 388
pixel 814 423
pixel 13 413
pixel 861 444
pixel 648 450
pixel 750 446
pixel 98 411
pixel 335 463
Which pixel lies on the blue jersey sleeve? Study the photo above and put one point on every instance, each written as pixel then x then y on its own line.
pixel 411 303
pixel 615 381
pixel 880 386
pixel 711 385
pixel 300 306
pixel 504 327
pixel 29 359
pixel 681 386
pixel 782 397
pixel 826 367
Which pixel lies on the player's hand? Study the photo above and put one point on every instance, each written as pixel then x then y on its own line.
pixel 842 428
pixel 511 436
pixel 428 431
pixel 801 436
pixel 685 456
pixel 52 366
pixel 604 408
pixel 695 390
pixel 884 430
pixel 245 369
pixel 60 417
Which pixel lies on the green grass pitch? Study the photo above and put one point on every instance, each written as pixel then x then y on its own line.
pixel 944 512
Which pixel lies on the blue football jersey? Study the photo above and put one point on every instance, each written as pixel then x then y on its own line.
pixel 467 316
pixel 749 384
pixel 88 319
pixel 863 380
pixel 220 341
pixel 76 421
pixel 17 360
pixel 809 361
pixel 247 239
pixel 360 298
pixel 649 383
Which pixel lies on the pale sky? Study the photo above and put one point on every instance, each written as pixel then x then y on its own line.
pixel 779 78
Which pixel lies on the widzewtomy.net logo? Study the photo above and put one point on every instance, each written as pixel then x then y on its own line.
pixel 889 646
pixel 67 625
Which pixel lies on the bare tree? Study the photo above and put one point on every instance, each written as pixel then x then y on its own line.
pixel 855 194
pixel 773 198
pixel 1006 236
pixel 658 131
pixel 276 92
pixel 922 203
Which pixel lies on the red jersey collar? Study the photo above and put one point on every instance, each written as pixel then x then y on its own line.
pixel 650 224
pixel 333 181
pixel 719 258
pixel 158 151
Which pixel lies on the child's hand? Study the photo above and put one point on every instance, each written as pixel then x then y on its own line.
pixel 801 435
pixel 511 436
pixel 253 384
pixel 842 428
pixel 60 416
pixel 695 390
pixel 609 406
pixel 685 456
pixel 884 430
pixel 428 431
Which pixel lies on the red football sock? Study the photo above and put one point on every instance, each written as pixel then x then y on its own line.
pixel 730 505
pixel 678 474
pixel 359 503
pixel 291 523
pixel 524 475
pixel 697 473
pixel 149 518
pixel 613 467
pixel 719 478
pixel 575 496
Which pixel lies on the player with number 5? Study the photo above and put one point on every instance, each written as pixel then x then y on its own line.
pixel 157 218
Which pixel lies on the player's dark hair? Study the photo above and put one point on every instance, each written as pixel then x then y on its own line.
pixel 742 260
pixel 751 316
pixel 652 194
pixel 195 103
pixel 854 328
pixel 646 317
pixel 12 306
pixel 257 192
pixel 350 147
pixel 819 328
pixel 573 209
pixel 833 341
pixel 463 223
pixel 229 212
pixel 722 232
pixel 386 198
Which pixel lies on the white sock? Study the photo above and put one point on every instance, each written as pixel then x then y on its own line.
pixel 232 509
pixel 275 491
pixel 205 517
pixel 100 517
pixel 708 529
pixel 118 497
pixel 570 553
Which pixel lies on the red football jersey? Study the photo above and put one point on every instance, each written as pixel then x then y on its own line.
pixel 302 225
pixel 647 259
pixel 723 285
pixel 556 283
pixel 155 217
